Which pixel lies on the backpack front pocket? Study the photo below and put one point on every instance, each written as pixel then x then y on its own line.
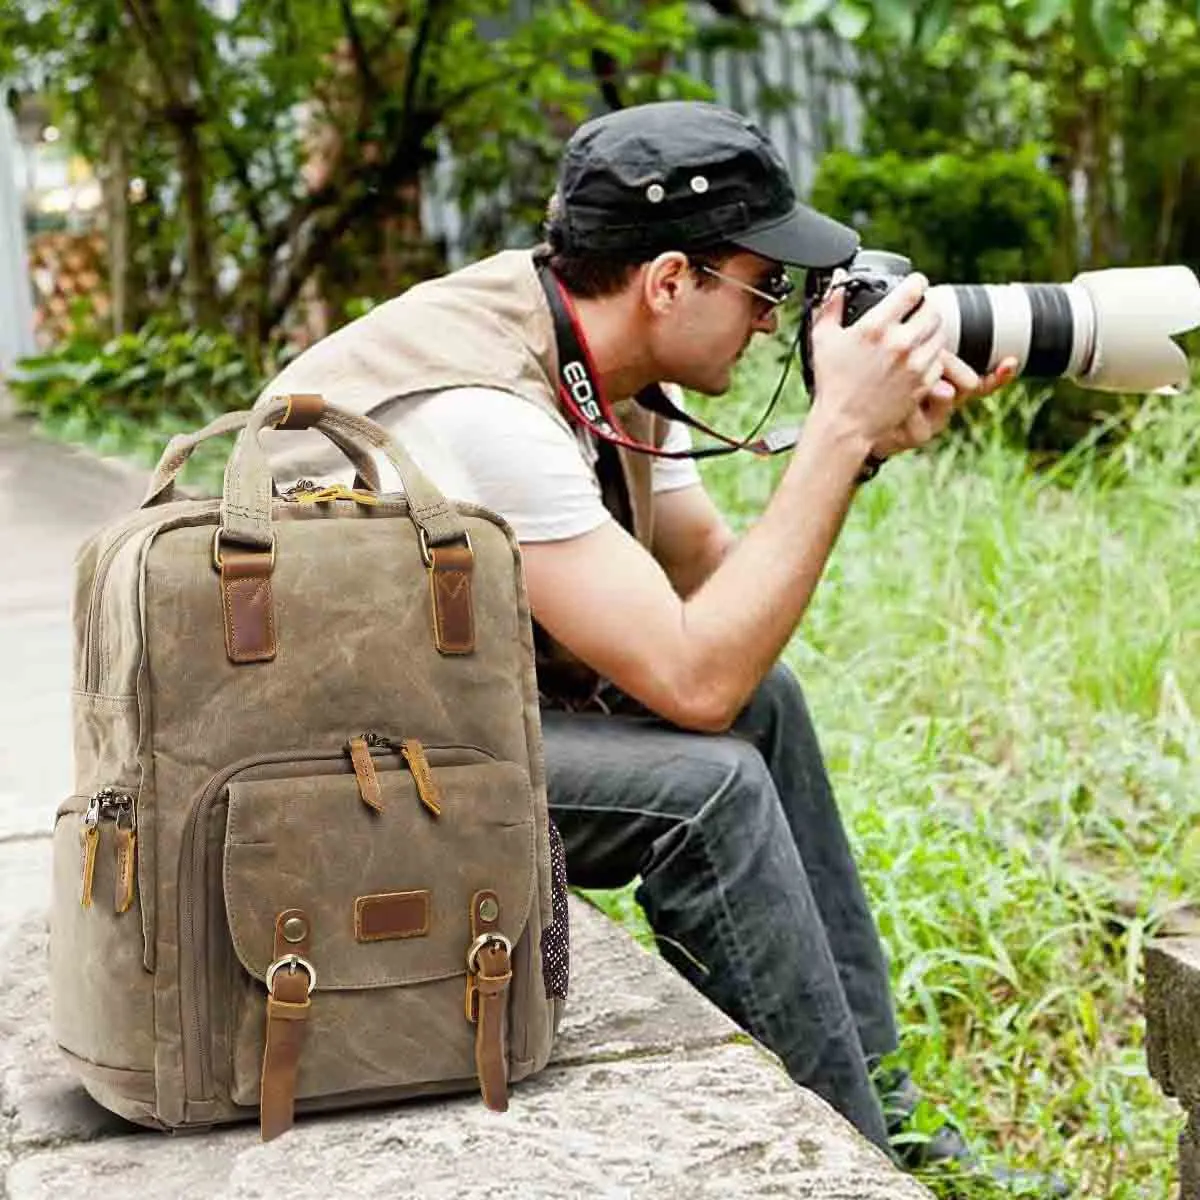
pixel 385 878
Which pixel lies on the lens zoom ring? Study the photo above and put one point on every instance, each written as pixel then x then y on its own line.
pixel 975 317
pixel 1052 332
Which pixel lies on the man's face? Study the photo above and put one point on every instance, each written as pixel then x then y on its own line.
pixel 710 321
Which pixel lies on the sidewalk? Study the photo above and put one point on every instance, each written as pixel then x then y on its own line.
pixel 653 1092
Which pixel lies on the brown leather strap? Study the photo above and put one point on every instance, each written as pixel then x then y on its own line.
pixel 303 410
pixel 413 753
pixel 126 864
pixel 489 973
pixel 364 772
pixel 247 602
pixel 290 984
pixel 450 571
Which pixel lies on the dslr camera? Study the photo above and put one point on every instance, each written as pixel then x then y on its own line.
pixel 1107 330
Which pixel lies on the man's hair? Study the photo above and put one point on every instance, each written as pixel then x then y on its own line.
pixel 589 276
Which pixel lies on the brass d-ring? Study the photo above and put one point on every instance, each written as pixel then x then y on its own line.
pixel 291 962
pixel 216 548
pixel 478 944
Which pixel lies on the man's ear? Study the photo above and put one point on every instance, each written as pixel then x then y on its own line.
pixel 663 279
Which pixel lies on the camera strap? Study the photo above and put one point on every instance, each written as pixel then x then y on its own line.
pixel 583 396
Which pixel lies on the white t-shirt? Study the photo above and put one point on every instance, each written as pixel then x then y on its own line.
pixel 492 448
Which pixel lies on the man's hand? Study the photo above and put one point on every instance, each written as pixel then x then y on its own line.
pixel 871 376
pixel 958 384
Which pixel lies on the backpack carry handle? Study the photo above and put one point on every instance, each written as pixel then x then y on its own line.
pixel 246 502
pixel 179 449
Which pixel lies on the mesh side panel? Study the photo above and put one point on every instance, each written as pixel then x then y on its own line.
pixel 556 937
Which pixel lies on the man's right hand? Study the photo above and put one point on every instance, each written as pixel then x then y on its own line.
pixel 871 376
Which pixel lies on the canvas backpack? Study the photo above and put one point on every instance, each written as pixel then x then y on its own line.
pixel 308 863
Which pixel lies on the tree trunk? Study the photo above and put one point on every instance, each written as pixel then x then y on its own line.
pixel 201 289
pixel 116 218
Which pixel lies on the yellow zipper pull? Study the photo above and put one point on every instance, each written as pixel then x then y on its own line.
pixel 418 764
pixel 364 772
pixel 91 840
pixel 126 857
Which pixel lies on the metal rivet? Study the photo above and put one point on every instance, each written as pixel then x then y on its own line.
pixel 699 185
pixel 655 193
pixel 489 910
pixel 295 929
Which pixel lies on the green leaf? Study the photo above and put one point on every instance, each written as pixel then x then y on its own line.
pixel 1042 14
pixel 850 21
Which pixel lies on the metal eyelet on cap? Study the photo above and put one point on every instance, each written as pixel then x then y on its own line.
pixel 699 184
pixel 656 193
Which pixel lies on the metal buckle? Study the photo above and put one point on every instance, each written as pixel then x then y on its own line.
pixel 291 961
pixel 216 548
pixel 478 944
pixel 427 553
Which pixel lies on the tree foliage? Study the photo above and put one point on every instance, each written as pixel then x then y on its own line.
pixel 1106 87
pixel 282 142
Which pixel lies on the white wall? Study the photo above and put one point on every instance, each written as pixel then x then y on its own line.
pixel 16 308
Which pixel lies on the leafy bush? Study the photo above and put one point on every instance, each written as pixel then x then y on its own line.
pixel 129 395
pixel 991 218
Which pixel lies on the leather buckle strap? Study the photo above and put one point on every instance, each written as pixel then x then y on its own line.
pixel 489 974
pixel 247 602
pixel 290 980
pixel 450 571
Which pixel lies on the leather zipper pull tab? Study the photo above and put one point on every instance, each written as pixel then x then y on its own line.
pixel 91 842
pixel 126 858
pixel 414 754
pixel 364 772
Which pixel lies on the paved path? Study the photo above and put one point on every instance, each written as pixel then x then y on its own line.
pixel 652 1091
pixel 51 498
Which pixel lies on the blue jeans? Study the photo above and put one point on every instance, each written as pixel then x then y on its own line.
pixel 745 873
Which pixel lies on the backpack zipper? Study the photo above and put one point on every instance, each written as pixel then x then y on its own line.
pixel 113 804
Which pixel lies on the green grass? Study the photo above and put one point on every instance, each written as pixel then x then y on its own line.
pixel 1004 665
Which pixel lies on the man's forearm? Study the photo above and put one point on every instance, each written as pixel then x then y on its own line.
pixel 740 619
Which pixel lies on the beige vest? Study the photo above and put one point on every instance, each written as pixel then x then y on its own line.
pixel 487 325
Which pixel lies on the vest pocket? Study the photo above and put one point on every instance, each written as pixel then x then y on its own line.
pixel 102 996
pixel 385 881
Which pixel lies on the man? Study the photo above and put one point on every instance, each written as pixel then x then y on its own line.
pixel 677 749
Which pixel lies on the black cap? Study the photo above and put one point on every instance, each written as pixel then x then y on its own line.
pixel 683 175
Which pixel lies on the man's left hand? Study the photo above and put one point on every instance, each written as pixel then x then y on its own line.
pixel 958 384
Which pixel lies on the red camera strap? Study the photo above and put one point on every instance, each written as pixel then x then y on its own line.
pixel 583 396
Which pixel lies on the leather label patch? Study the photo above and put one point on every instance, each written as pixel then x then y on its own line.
pixel 391 915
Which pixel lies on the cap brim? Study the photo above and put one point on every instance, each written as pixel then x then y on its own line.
pixel 804 238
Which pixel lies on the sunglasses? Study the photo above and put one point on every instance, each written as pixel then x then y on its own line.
pixel 773 291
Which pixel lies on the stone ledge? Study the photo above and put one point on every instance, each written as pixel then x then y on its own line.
pixel 1173 1016
pixel 652 1089
pixel 721 1122
pixel 624 1002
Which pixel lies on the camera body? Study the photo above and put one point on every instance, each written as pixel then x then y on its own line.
pixel 872 274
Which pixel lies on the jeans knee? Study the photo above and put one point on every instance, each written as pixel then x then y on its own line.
pixel 778 700
pixel 746 796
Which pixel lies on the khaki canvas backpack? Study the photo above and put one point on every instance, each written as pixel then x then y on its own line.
pixel 308 863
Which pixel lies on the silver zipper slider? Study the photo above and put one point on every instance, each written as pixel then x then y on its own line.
pixel 91 839
pixel 378 740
